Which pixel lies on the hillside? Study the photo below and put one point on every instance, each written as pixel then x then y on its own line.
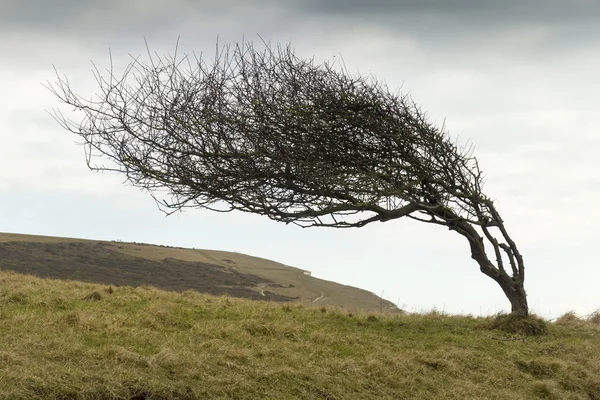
pixel 178 269
pixel 73 340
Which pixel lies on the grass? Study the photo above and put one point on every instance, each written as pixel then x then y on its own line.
pixel 73 340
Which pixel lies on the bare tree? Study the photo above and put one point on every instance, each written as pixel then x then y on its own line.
pixel 267 132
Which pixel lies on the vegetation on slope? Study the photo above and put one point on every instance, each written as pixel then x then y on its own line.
pixel 177 269
pixel 74 340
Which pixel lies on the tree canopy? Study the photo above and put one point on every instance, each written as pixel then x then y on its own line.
pixel 268 132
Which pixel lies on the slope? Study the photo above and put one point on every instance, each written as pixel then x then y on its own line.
pixel 178 269
pixel 82 341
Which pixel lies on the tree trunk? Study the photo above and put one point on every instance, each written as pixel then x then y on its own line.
pixel 512 286
pixel 515 292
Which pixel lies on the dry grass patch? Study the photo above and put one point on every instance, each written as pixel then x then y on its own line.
pixel 526 326
pixel 61 340
pixel 594 317
pixel 568 318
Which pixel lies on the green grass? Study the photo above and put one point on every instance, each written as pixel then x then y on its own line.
pixel 71 340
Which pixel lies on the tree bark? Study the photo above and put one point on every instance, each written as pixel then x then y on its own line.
pixel 515 292
pixel 512 287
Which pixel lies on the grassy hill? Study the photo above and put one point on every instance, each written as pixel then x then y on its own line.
pixel 177 269
pixel 74 340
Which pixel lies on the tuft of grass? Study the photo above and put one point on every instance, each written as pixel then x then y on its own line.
pixel 594 317
pixel 17 298
pixel 94 296
pixel 568 318
pixel 512 323
pixel 62 341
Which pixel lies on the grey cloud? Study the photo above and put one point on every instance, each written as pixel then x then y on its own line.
pixel 115 17
pixel 39 33
pixel 432 18
pixel 533 26
pixel 476 11
pixel 437 26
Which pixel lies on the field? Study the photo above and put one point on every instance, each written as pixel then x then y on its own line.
pixel 74 340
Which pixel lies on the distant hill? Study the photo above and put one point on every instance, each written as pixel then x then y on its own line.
pixel 178 269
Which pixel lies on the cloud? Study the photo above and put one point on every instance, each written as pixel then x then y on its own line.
pixel 111 17
pixel 457 23
pixel 473 12
pixel 124 20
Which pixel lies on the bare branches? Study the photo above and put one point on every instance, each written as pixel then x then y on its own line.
pixel 264 131
pixel 265 127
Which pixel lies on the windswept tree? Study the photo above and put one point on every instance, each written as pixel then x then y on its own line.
pixel 264 131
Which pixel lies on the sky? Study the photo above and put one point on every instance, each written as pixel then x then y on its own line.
pixel 517 79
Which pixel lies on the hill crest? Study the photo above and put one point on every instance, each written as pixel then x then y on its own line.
pixel 214 272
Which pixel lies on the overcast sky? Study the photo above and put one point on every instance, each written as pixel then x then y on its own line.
pixel 518 79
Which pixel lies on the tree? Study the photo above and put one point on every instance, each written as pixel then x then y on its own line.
pixel 267 132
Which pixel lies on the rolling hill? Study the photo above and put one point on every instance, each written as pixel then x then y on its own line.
pixel 178 269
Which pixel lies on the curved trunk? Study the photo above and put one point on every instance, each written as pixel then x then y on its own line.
pixel 514 290
pixel 512 286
